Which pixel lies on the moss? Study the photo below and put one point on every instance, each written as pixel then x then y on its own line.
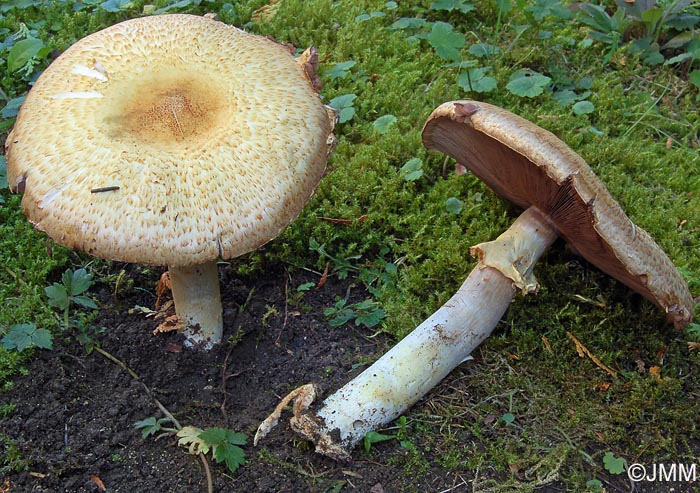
pixel 642 141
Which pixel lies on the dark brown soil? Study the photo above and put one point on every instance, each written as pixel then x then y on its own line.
pixel 75 411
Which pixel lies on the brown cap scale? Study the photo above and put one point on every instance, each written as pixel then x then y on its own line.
pixel 530 166
pixel 170 140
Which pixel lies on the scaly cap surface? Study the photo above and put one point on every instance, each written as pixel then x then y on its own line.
pixel 171 139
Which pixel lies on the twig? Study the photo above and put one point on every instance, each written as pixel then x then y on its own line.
pixel 286 310
pixel 164 410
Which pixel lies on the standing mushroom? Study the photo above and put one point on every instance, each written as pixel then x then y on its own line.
pixel 172 140
pixel 561 197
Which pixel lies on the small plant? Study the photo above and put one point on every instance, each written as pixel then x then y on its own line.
pixel 412 170
pixel 151 426
pixel 366 313
pixel 344 105
pixel 342 265
pixel 223 443
pixel 23 336
pixel 654 27
pixel 375 437
pixel 614 465
pixel 69 292
pixel 384 123
pixel 527 83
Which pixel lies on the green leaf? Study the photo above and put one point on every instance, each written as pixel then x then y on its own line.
pixel 614 465
pixel 475 79
pixel 3 173
pixel 371 15
pixel 346 114
pixel 116 5
pixel 565 97
pixel 43 339
pixel 305 286
pixel 482 49
pixel 58 296
pixel 232 455
pixel 174 6
pixel 22 52
pixel 370 318
pixel 216 436
pixel 408 23
pixel 528 83
pixel 151 426
pixel 694 78
pixel 341 69
pixel 11 109
pixel 445 41
pixel 412 170
pixel 375 437
pixel 85 302
pixel 450 5
pixel 80 281
pixel 508 418
pixel 583 108
pixel 23 336
pixel 383 123
pixel 340 317
pixel 454 205
pixel 344 106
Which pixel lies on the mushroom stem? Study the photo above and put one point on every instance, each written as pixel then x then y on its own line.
pixel 423 358
pixel 198 303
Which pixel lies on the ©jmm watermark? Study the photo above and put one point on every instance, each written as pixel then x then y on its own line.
pixel 675 473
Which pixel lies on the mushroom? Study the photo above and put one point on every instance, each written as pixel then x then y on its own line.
pixel 562 197
pixel 172 140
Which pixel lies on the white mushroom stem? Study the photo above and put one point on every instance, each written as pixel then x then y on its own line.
pixel 423 358
pixel 198 303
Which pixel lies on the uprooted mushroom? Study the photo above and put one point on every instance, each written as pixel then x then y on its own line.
pixel 172 140
pixel 561 197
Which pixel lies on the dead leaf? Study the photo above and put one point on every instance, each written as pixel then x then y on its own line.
pixel 583 351
pixel 39 475
pixel 170 324
pixel 693 346
pixel 669 143
pixel 547 345
pixel 490 419
pixel 603 386
pixel 641 366
pixel 655 371
pixel 100 485
pixel 162 287
pixel 324 277
pixel 512 356
pixel 460 169
pixel 661 354
pixel 5 487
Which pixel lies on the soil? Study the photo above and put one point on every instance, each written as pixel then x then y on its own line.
pixel 75 412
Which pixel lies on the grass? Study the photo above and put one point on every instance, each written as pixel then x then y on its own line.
pixel 642 140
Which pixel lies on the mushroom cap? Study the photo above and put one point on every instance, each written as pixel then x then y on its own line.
pixel 530 166
pixel 171 139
